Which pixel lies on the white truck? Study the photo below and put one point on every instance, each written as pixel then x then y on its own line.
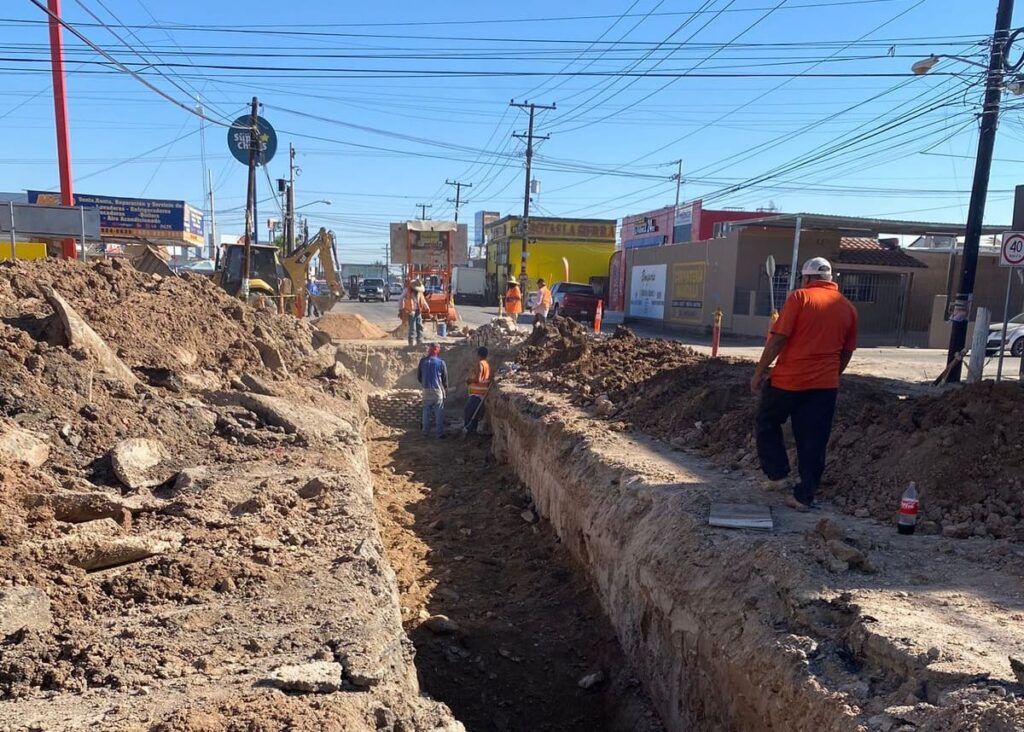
pixel 468 285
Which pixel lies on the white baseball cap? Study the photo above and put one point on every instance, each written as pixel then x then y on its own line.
pixel 818 266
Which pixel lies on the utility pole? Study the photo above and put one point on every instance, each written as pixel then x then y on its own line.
pixel 979 190
pixel 290 203
pixel 214 244
pixel 679 182
pixel 524 225
pixel 202 154
pixel 423 210
pixel 250 201
pixel 60 116
pixel 458 195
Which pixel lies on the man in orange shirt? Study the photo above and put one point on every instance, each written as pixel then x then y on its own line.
pixel 478 383
pixel 543 305
pixel 813 339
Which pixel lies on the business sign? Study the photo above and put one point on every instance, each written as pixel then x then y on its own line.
pixel 482 220
pixel 563 229
pixel 239 142
pixel 687 296
pixel 142 218
pixel 646 225
pixel 647 291
pixel 1011 254
pixel 686 226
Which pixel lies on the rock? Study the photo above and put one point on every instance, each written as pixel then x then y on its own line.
pixel 441 625
pixel 528 516
pixel 1017 666
pixel 23 446
pixel 591 680
pixel 193 479
pixel 93 548
pixel 957 531
pixel 934 653
pixel 928 528
pixel 603 406
pixel 862 513
pixel 830 530
pixel 297 419
pixel 23 607
pixel 317 486
pixel 257 385
pixel 79 334
pixel 851 555
pixel 318 677
pixel 270 355
pixel 337 370
pixel 79 507
pixel 140 463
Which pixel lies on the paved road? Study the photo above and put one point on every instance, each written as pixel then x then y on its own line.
pixel 907 364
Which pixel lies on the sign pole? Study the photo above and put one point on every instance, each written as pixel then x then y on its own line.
pixel 250 200
pixel 14 246
pixel 1006 324
pixel 60 108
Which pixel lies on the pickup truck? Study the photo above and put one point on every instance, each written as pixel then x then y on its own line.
pixel 373 288
pixel 574 300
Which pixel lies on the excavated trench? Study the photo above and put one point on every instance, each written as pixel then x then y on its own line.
pixel 558 574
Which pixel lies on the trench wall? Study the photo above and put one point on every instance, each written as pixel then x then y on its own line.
pixel 704 617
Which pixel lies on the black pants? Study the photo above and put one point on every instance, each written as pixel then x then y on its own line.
pixel 472 413
pixel 811 413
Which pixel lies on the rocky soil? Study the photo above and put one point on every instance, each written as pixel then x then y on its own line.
pixel 961 445
pixel 187 537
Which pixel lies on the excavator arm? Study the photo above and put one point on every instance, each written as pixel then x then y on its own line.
pixel 296 265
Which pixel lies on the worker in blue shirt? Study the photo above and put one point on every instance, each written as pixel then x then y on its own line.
pixel 311 291
pixel 432 373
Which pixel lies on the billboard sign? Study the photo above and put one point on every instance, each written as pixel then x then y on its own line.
pixel 687 303
pixel 687 220
pixel 142 218
pixel 647 291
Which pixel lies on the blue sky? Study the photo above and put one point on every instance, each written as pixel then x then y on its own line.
pixel 802 105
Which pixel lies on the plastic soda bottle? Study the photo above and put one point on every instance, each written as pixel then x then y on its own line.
pixel 907 521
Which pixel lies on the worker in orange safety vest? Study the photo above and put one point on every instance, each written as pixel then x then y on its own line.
pixel 478 383
pixel 414 308
pixel 513 299
pixel 543 305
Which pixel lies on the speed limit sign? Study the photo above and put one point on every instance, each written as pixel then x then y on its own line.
pixel 1012 252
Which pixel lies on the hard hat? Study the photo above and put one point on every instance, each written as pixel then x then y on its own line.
pixel 817 267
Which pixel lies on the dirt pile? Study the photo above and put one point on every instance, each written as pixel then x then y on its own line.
pixel 349 327
pixel 184 509
pixel 960 446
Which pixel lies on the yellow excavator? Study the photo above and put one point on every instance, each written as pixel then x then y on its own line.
pixel 274 276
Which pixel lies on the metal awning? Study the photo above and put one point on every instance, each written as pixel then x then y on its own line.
pixel 858 226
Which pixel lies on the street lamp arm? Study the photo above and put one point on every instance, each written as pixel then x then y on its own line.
pixel 927 64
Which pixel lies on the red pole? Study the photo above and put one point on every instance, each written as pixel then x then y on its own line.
pixel 60 109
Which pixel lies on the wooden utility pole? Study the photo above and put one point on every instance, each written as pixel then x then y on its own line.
pixel 290 224
pixel 250 200
pixel 524 225
pixel 458 195
pixel 423 210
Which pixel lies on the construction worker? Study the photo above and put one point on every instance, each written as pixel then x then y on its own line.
pixel 479 382
pixel 414 308
pixel 813 339
pixel 432 373
pixel 543 304
pixel 312 290
pixel 513 299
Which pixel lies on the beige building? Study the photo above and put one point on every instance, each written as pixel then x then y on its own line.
pixel 894 292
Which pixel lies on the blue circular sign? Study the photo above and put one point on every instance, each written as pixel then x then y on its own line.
pixel 239 135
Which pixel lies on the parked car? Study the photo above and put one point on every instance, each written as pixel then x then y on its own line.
pixel 1014 340
pixel 395 289
pixel 373 289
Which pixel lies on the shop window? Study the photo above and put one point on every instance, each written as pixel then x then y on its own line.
pixel 859 287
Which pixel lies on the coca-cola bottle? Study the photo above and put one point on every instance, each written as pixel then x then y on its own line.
pixel 907 521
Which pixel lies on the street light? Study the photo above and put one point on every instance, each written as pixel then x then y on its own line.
pixel 998 64
pixel 313 203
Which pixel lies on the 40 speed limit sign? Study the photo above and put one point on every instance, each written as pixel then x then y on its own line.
pixel 1012 252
